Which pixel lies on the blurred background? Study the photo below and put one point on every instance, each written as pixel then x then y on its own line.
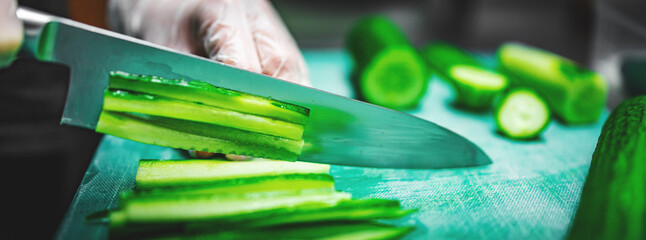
pixel 44 161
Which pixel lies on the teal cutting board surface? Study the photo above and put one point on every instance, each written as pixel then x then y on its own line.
pixel 529 192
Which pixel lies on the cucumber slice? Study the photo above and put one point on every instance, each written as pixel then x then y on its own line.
pixel 522 114
pixel 476 87
pixel 613 201
pixel 124 101
pixel 390 71
pixel 202 92
pixel 576 95
pixel 140 129
pixel 173 173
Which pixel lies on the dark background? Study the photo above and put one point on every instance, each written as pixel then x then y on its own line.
pixel 43 162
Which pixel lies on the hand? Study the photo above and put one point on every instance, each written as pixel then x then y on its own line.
pixel 247 34
pixel 10 31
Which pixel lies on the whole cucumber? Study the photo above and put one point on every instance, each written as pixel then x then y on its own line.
pixel 575 94
pixel 613 202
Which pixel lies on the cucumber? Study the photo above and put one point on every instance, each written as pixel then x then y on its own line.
pixel 390 71
pixel 204 93
pixel 286 182
pixel 174 173
pixel 359 231
pixel 476 87
pixel 124 101
pixel 576 95
pixel 142 129
pixel 613 201
pixel 522 114
pixel 441 56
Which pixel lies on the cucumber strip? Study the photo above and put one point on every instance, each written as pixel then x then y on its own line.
pixel 286 182
pixel 172 173
pixel 390 71
pixel 522 114
pixel 613 201
pixel 145 131
pixel 169 209
pixel 476 87
pixel 332 231
pixel 202 92
pixel 221 132
pixel 576 95
pixel 124 101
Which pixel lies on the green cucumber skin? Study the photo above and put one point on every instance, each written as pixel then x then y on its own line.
pixel 472 96
pixel 142 130
pixel 505 130
pixel 576 95
pixel 177 173
pixel 381 51
pixel 124 101
pixel 613 201
pixel 198 91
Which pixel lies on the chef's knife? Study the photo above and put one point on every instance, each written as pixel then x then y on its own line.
pixel 340 131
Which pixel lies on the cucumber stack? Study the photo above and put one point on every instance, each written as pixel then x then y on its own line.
pixel 476 87
pixel 195 115
pixel 390 72
pixel 245 200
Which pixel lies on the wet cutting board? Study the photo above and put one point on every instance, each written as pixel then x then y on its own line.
pixel 529 192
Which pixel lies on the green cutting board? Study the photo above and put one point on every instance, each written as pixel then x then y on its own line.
pixel 529 192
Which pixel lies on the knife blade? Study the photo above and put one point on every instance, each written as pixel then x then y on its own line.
pixel 341 131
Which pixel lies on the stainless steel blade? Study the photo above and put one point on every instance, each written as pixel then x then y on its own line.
pixel 341 130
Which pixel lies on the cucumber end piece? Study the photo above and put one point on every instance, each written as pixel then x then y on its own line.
pixel 396 78
pixel 476 87
pixel 522 114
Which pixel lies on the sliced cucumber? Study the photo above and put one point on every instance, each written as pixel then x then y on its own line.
pixel 173 173
pixel 124 101
pixel 613 201
pixel 141 129
pixel 476 87
pixel 575 94
pixel 390 71
pixel 522 114
pixel 202 92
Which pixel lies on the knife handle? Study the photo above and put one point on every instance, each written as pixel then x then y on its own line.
pixel 33 22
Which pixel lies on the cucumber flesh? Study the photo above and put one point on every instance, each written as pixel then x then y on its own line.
pixel 576 95
pixel 441 56
pixel 476 87
pixel 202 92
pixel 124 101
pixel 522 114
pixel 613 200
pixel 142 130
pixel 173 173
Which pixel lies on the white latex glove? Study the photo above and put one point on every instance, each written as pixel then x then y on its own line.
pixel 247 34
pixel 10 31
